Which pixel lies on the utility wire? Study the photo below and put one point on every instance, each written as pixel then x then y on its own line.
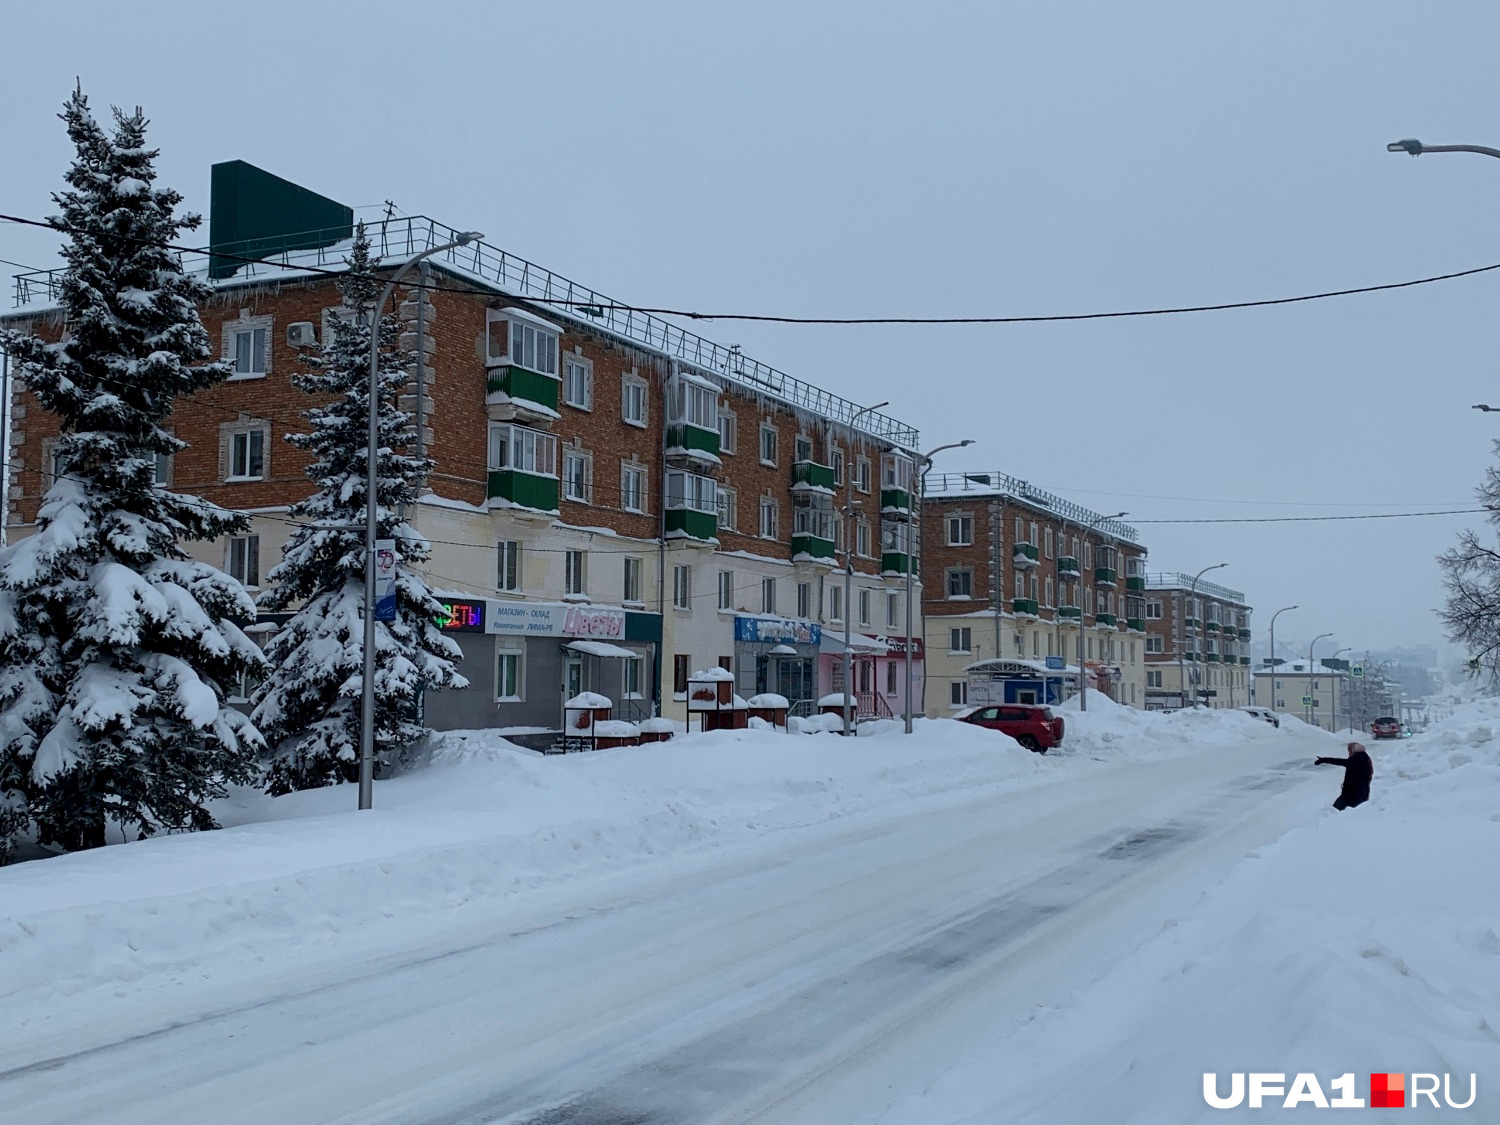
pixel 690 314
pixel 1316 519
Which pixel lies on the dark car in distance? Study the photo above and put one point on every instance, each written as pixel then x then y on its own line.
pixel 1033 726
pixel 1386 727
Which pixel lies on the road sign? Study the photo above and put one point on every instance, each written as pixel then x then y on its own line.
pixel 1308 701
pixel 1357 670
pixel 1055 664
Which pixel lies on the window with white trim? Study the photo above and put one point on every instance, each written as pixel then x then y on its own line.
pixel 768 513
pixel 244 559
pixel 250 351
pixel 522 450
pixel 836 457
pixel 695 404
pixel 802 448
pixel 633 488
pixel 835 603
pixel 163 473
pixel 862 538
pixel 768 595
pixel 682 587
pixel 522 343
pixel 958 693
pixel 630 584
pixel 1153 678
pixel 727 431
pixel 1153 610
pixel 767 444
pixel 960 582
pixel 960 531
pixel 862 474
pixel 1154 644
pixel 509 663
pixel 633 399
pixel 632 676
pixel 578 476
pixel 575 577
pixel 247 454
pixel 726 589
pixel 961 639
pixel 691 492
pixel 508 566
pixel 804 600
pixel 864 607
pixel 728 508
pixel 890 609
pixel 578 382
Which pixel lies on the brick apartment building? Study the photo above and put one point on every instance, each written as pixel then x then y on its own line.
pixel 615 504
pixel 1197 643
pixel 1012 574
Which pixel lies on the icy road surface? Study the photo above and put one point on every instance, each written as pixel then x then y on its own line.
pixel 821 979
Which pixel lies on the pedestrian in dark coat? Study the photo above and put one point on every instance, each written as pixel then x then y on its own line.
pixel 1358 770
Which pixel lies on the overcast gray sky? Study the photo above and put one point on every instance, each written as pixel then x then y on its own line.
pixel 971 159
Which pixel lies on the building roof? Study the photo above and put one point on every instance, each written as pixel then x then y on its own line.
pixel 1170 580
pixel 397 238
pixel 980 486
pixel 1299 668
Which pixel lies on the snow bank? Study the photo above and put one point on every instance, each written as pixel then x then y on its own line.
pixel 1367 942
pixel 304 879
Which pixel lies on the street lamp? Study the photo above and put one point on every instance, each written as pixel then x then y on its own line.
pixel 1415 147
pixel 1312 699
pixel 913 540
pixel 1181 666
pixel 372 451
pixel 1485 407
pixel 1274 616
pixel 1083 680
pixel 849 565
pixel 1346 648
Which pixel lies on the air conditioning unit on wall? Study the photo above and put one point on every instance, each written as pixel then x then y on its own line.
pixel 301 335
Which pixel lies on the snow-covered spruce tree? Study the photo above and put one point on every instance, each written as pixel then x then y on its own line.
pixel 115 646
pixel 308 707
pixel 1471 577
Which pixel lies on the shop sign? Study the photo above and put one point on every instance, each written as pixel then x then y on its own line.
pixel 776 631
pixel 461 617
pixel 898 647
pixel 542 619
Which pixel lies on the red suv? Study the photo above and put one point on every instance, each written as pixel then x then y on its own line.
pixel 1387 727
pixel 1034 727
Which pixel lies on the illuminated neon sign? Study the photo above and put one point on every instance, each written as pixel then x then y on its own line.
pixel 461 617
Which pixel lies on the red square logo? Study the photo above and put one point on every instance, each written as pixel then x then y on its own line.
pixel 1387 1091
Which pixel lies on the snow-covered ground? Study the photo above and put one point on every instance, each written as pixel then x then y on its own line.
pixel 758 926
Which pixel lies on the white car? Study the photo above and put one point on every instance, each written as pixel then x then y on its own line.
pixel 1265 714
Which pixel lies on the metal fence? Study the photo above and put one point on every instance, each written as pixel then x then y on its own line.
pixel 942 485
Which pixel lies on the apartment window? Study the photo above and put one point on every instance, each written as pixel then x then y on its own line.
pixel 802 448
pixel 522 450
pixel 1033 539
pixel 633 400
pixel 244 559
pixel 573 572
pixel 767 518
pixel 1153 611
pixel 163 469
pixel 1020 533
pixel 961 639
pixel 835 603
pixel 632 579
pixel 960 531
pixel 250 352
pixel 727 433
pixel 890 609
pixel 804 600
pixel 680 673
pixel 696 403
pixel 247 455
pixel 524 344
pixel 958 693
pixel 837 457
pixel 508 679
pixel 691 492
pixel 960 582
pixel 768 595
pixel 1153 679
pixel 767 444
pixel 633 488
pixel 632 677
pixel 578 472
pixel 1154 644
pixel 890 678
pixel 864 607
pixel 682 587
pixel 1049 593
pixel 728 516
pixel 862 474
pixel 508 568
pixel 862 538
pixel 1020 585
pixel 578 382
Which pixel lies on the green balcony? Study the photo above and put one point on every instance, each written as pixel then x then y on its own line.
pixel 1211 657
pixel 894 562
pixel 1193 656
pixel 806 546
pixel 1024 605
pixel 1244 660
pixel 1107 619
pixel 523 385
pixel 1025 554
pixel 686 439
pixel 1135 582
pixel 1193 622
pixel 811 476
pixel 1069 612
pixel 1106 575
pixel 1212 626
pixel 1067 566
pixel 694 524
pixel 1136 624
pixel 526 489
pixel 1244 634
pixel 895 500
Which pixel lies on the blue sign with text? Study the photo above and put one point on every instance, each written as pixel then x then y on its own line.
pixel 776 630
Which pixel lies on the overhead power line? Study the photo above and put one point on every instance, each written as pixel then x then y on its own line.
pixel 1317 519
pixel 691 314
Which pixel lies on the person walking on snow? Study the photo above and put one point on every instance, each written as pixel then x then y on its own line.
pixel 1358 770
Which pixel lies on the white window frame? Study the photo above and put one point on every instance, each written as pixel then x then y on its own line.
pixel 1153 611
pixel 682 587
pixel 695 404
pixel 633 488
pixel 953 572
pixel 244 365
pixel 961 638
pixel 250 434
pixel 691 492
pixel 804 600
pixel 635 401
pixel 836 460
pixel 728 501
pixel 525 340
pixel 575 574
pixel 964 525
pixel 632 574
pixel 864 607
pixel 770 520
pixel 958 693
pixel 577 379
pixel 891 607
pixel 726 591
pixel 632 675
pixel 836 603
pixel 862 542
pixel 247 572
pixel 508 566
pixel 802 448
pixel 768 595
pixel 516 659
pixel 522 450
pixel 862 473
pixel 769 436
pixel 728 431
pixel 578 476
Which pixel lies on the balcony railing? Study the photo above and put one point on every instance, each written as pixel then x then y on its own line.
pixel 1025 555
pixel 1106 575
pixel 1136 624
pixel 1107 619
pixel 811 476
pixel 1025 606
pixel 1067 566
pixel 1069 612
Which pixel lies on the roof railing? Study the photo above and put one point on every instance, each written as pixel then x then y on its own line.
pixel 1169 580
pixel 943 484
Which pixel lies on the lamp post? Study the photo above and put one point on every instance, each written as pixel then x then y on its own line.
pixel 1346 648
pixel 1083 679
pixel 1312 698
pixel 372 451
pixel 1181 665
pixel 848 661
pixel 1414 147
pixel 1274 616
pixel 913 540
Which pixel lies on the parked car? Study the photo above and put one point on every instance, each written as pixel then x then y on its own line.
pixel 1386 727
pixel 1033 726
pixel 1265 714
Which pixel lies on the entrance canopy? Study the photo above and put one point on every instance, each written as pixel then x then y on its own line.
pixel 601 648
pixel 1000 669
pixel 859 644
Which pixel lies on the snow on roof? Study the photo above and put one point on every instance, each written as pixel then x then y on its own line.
pixel 769 699
pixel 952 486
pixel 714 674
pixel 615 728
pixel 601 648
pixel 1299 668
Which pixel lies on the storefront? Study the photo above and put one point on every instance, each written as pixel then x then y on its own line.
pixel 777 655
pixel 1019 681
pixel 523 659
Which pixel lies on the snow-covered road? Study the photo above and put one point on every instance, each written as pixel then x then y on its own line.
pixel 821 975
